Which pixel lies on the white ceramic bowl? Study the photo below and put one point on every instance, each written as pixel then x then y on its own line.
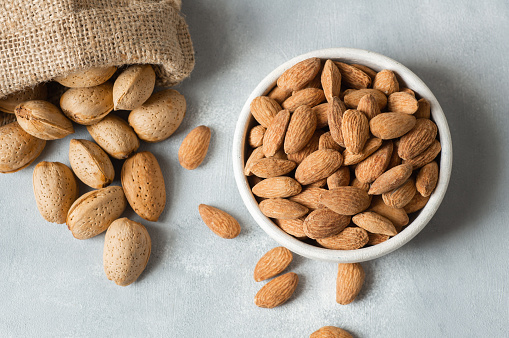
pixel 376 62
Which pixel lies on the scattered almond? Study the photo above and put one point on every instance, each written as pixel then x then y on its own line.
pixel 194 147
pixel 274 135
pixel 272 263
pixel 391 179
pixel 255 137
pixel 416 203
pixel 426 156
pixel 279 95
pixel 309 197
pixel 219 221
pixel 330 332
pixel 397 216
pixel 353 98
pixel 374 166
pixel 327 142
pixel 277 291
pixel 294 227
pixel 352 76
pixel 321 111
pixel 349 282
pixel 335 116
pixel 368 106
pixel 370 147
pixel 424 110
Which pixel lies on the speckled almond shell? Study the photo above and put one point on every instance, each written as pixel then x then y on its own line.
pixel 143 185
pixel 87 78
pixel 90 163
pixel 88 105
pixel 127 247
pixel 115 136
pixel 159 117
pixel 43 120
pixel 17 148
pixel 133 87
pixel 92 213
pixel 9 102
pixel 55 190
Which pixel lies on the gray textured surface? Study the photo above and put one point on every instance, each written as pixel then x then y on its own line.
pixel 450 281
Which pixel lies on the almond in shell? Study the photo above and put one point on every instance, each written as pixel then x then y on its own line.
pixel 281 208
pixel 219 221
pixel 87 105
pixel 300 129
pixel 272 263
pixel 350 238
pixel 319 165
pixel 133 87
pixel 90 163
pixel 127 247
pixel 323 223
pixel 427 179
pixel 374 223
pixel 194 148
pixel 159 117
pixel 55 189
pixel 277 291
pixel 346 200
pixel 90 77
pixel 10 102
pixel 6 118
pixel 115 136
pixel 93 212
pixel 143 185
pixel 43 120
pixel 349 282
pixel 299 75
pixel 275 187
pixel 18 149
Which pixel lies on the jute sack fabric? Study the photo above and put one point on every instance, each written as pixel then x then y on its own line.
pixel 43 39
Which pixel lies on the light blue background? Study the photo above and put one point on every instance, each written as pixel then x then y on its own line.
pixel 450 281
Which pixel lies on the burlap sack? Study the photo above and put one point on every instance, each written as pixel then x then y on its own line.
pixel 42 39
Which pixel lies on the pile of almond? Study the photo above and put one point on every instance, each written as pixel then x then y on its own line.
pixel 341 154
pixel 28 120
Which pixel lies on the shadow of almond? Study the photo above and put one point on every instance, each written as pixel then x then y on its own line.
pixel 160 237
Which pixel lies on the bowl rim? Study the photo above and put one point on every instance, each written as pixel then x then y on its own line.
pixel 377 62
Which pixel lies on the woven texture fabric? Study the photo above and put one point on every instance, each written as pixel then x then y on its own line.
pixel 43 39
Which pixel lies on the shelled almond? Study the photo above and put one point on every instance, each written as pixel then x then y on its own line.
pixel 360 151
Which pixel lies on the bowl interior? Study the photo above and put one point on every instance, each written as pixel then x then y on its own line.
pixel 417 221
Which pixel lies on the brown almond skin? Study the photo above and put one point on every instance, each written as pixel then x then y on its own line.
pixel 370 147
pixel 327 142
pixel 408 91
pixel 400 196
pixel 307 96
pixel 400 102
pixel 346 200
pixel 330 332
pixel 274 136
pixel 389 126
pixel 426 156
pixel 292 227
pixel 397 216
pixel 316 82
pixel 277 291
pixel 427 179
pixel 391 179
pixel 424 110
pixel 323 223
pixel 358 184
pixel 255 137
pixel 300 129
pixel 353 98
pixel 264 109
pixel 351 238
pixel 418 139
pixel 272 263
pixel 194 147
pixel 279 95
pixel 355 130
pixel 143 183
pixel 272 167
pixel 352 76
pixel 219 221
pixel 349 282
pixel 127 248
pixel 319 165
pixel 256 154
pixel 321 112
pixel 370 72
pixel 339 178
pixel 93 212
pixel 309 197
pixel 368 106
pixel 55 190
pixel 19 149
pixel 374 223
pixel 299 75
pixel 335 116
pixel 277 187
pixel 375 239
pixel 43 120
pixel 310 148
pixel 374 166
pixel 115 137
pixel 386 82
pixel 416 203
pixel 281 208
pixel 331 80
